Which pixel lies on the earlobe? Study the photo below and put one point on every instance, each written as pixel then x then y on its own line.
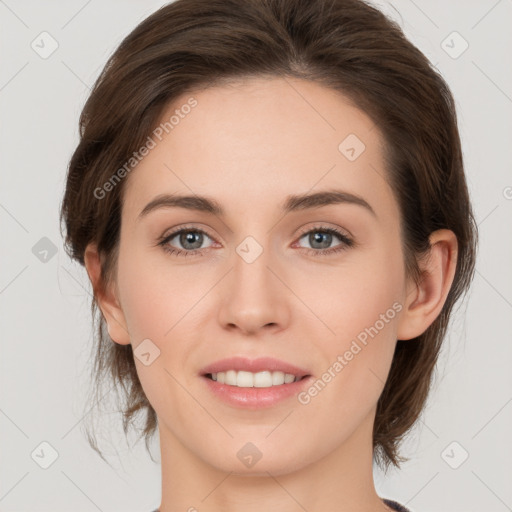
pixel 425 302
pixel 106 298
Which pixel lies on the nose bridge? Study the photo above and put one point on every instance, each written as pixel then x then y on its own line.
pixel 252 279
pixel 253 296
pixel 252 259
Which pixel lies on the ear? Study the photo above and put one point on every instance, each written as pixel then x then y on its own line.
pixel 106 298
pixel 424 301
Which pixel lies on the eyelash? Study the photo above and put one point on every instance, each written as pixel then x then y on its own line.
pixel 346 242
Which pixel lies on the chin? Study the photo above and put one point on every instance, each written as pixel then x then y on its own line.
pixel 257 458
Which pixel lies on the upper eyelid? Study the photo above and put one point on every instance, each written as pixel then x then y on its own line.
pixel 177 231
pixel 302 232
pixel 325 225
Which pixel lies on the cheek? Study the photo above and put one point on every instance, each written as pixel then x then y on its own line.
pixel 360 305
pixel 348 297
pixel 155 296
pixel 158 305
pixel 342 298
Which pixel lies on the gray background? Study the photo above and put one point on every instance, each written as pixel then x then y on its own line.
pixel 44 297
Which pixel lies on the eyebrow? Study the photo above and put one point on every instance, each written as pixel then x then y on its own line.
pixel 293 202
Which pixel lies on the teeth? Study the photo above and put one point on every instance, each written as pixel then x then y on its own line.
pixel 263 379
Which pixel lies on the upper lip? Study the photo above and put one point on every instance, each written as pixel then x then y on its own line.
pixel 253 365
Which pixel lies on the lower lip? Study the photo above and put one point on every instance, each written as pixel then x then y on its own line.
pixel 255 398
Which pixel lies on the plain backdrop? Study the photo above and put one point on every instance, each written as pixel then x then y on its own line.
pixel 461 451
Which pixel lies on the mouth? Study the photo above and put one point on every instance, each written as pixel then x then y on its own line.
pixel 260 372
pixel 263 379
pixel 248 383
pixel 244 390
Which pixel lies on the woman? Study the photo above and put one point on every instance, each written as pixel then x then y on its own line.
pixel 270 202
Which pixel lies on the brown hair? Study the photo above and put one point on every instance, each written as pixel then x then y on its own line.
pixel 347 45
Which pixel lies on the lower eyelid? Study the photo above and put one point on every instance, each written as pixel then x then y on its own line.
pixel 345 241
pixel 166 239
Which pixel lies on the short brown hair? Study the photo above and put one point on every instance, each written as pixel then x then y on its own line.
pixel 347 45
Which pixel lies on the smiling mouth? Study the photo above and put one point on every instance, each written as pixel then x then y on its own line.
pixel 244 379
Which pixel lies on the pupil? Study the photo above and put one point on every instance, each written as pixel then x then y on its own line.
pixel 189 238
pixel 318 236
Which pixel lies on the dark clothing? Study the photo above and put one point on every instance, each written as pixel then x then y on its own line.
pixel 395 506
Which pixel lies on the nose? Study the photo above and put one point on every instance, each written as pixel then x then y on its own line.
pixel 254 295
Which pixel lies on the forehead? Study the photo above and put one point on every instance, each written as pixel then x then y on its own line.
pixel 262 138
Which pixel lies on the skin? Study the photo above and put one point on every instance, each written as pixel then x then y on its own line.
pixel 249 145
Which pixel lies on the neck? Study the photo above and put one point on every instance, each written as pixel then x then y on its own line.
pixel 340 481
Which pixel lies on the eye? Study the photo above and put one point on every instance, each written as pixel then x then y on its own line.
pixel 321 238
pixel 190 239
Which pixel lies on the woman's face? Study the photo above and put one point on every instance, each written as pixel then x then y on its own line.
pixel 264 278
